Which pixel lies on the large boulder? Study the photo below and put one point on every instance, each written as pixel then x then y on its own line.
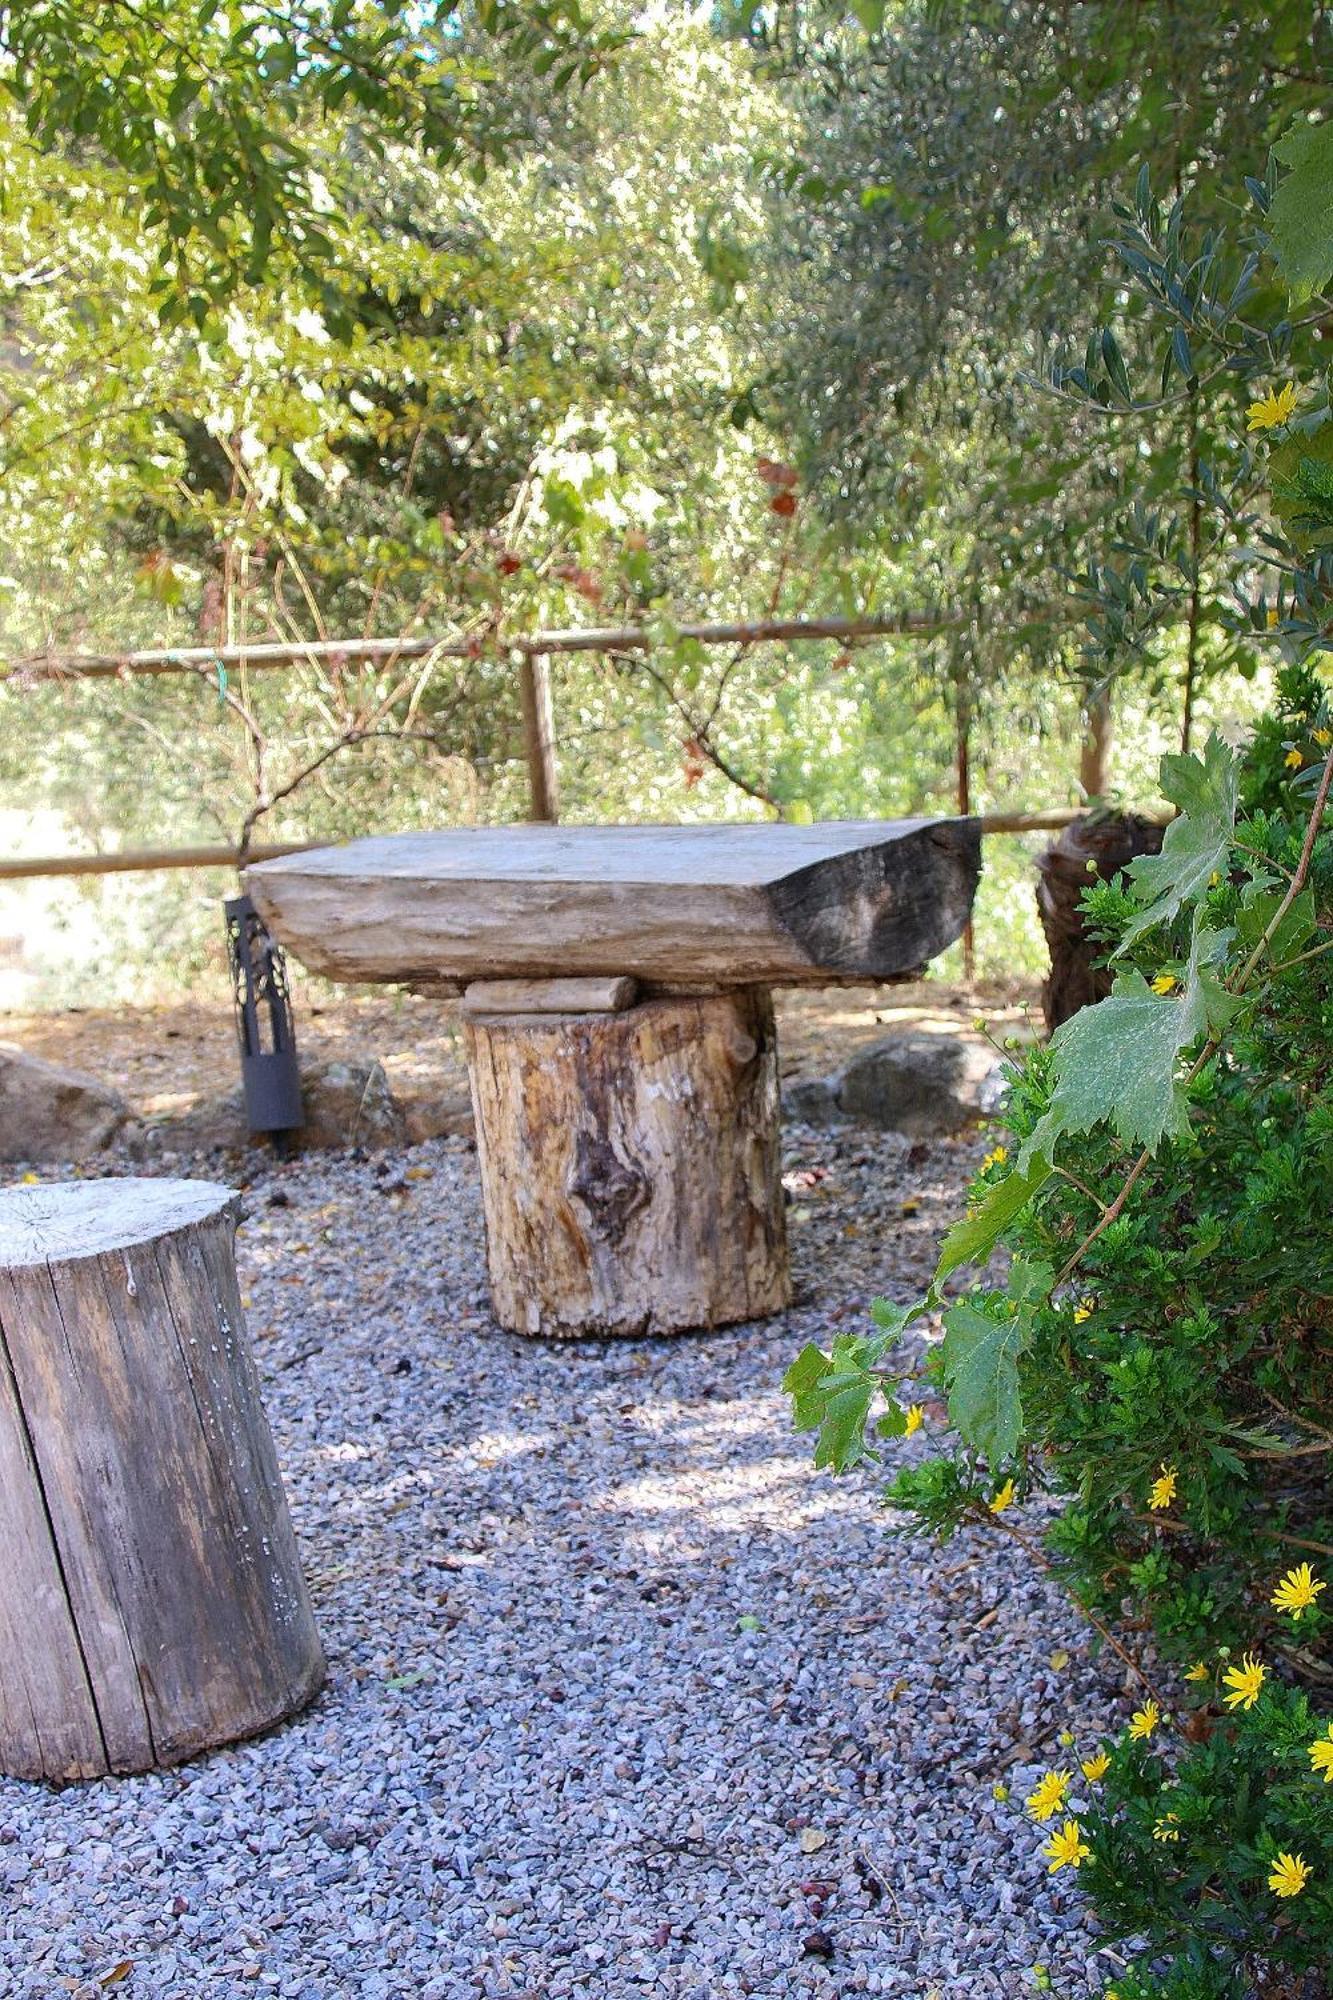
pixel 916 1082
pixel 53 1114
pixel 920 1083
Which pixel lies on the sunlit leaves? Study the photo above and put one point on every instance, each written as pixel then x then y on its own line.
pixel 972 1240
pixel 203 108
pixel 834 1393
pixel 1196 844
pixel 984 1339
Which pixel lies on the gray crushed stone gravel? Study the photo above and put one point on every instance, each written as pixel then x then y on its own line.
pixel 556 1757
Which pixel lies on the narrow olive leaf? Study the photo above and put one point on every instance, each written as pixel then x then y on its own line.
pixel 972 1240
pixel 1196 845
pixel 1115 366
pixel 979 1358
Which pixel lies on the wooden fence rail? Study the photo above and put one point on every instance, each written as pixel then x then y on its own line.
pixel 144 860
pixel 31 667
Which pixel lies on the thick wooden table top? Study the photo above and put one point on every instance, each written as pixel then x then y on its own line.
pixel 749 904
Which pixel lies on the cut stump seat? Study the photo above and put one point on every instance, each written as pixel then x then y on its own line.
pixel 618 1015
pixel 151 1597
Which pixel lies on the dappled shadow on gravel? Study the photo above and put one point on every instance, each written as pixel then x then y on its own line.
pixel 624 1699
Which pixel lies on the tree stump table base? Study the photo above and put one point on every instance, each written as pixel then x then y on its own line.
pixel 151 1597
pixel 629 1161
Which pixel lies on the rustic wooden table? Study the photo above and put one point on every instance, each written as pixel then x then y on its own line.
pixel 616 989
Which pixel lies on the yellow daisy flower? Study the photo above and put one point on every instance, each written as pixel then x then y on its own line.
pixel 1293 760
pixel 1165 982
pixel 995 1158
pixel 1323 737
pixel 1321 1756
pixel 1067 1848
pixel 913 1418
pixel 1244 1682
pixel 1163 1489
pixel 1289 1875
pixel 1004 1498
pixel 1084 1310
pixel 1271 410
pixel 1095 1768
pixel 1144 1720
pixel 1198 1672
pixel 1046 1800
pixel 999 1790
pixel 1297 1591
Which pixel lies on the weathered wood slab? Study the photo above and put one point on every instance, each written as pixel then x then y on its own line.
pixel 151 1597
pixel 549 996
pixel 730 905
pixel 629 1166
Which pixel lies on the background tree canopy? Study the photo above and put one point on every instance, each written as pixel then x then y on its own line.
pixel 340 319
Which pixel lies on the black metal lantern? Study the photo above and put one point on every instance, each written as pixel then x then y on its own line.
pixel 270 1074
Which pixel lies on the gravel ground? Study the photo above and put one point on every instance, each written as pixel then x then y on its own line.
pixel 555 1756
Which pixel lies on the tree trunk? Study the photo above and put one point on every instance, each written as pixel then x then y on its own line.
pixel 630 1166
pixel 151 1598
pixel 1109 842
pixel 1094 769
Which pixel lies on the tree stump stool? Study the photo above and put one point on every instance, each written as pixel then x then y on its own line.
pixel 617 984
pixel 151 1597
pixel 629 1159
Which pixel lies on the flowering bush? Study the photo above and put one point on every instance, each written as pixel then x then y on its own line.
pixel 1158 1360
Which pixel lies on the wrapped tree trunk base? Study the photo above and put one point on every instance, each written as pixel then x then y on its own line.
pixel 151 1597
pixel 1109 842
pixel 630 1165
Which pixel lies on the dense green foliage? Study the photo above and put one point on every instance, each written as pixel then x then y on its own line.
pixel 203 116
pixel 1158 1359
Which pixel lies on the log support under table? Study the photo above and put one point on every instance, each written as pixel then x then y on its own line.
pixel 629 1158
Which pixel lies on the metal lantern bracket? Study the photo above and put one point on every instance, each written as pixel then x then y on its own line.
pixel 270 1073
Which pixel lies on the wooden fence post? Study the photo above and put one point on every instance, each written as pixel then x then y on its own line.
pixel 539 737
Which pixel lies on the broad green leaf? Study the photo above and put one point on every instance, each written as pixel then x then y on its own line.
pixel 980 1362
pixel 1118 1063
pixel 832 1393
pixel 972 1240
pixel 1300 219
pixel 1258 908
pixel 1196 845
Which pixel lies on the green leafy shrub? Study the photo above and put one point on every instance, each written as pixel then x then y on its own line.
pixel 1157 1359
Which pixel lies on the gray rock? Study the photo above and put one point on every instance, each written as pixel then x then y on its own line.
pixel 49 1113
pixel 350 1104
pixel 443 1115
pixel 346 1103
pixel 812 1100
pixel 920 1083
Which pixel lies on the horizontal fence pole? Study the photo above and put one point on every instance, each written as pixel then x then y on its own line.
pixel 592 639
pixel 143 860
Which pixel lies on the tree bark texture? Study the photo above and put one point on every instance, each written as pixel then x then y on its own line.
pixel 1109 842
pixel 151 1597
pixel 630 1166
